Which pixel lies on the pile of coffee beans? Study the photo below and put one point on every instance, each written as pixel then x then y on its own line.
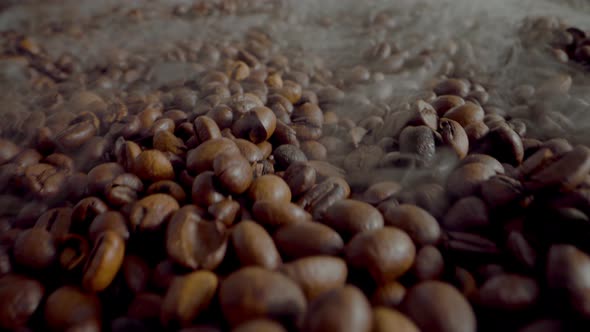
pixel 242 199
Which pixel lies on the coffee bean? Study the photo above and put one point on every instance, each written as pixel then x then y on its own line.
pixel 249 150
pixel 316 275
pixel 35 249
pixel 206 189
pixel 341 309
pixel 253 292
pixel 257 125
pixel 466 114
pixel 166 141
pixel 467 179
pixel 69 306
pixel 502 143
pixel 258 325
pixel 422 228
pixel 187 297
pixel 363 158
pixel 381 191
pixel 43 180
pixel 349 217
pixel 167 187
pixel 450 312
pixel 307 239
pixel 152 165
pixel 9 150
pixel 100 176
pixel 455 136
pixel 390 294
pixel 111 221
pixel 418 140
pixel 20 298
pixel 233 172
pixel 123 189
pixel 254 246
pixel 104 261
pixel 300 177
pixel 508 292
pixel 57 221
pixel 194 242
pixel 224 211
pixel 445 102
pixel 386 319
pixel 201 159
pixel 566 172
pixel 75 135
pixel 464 281
pixel 468 213
pixel 269 187
pixel 126 152
pixel 429 263
pixel 150 212
pixel 136 273
pixel 521 250
pixel 386 253
pixel 287 154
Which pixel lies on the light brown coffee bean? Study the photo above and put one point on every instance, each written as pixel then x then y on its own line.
pixel 455 136
pixel 254 246
pixel 390 294
pixel 104 261
pixel 420 225
pixel 316 274
pixel 386 253
pixel 152 165
pixel 342 309
pixel 69 306
pixel 166 141
pixel 249 150
pixel 452 86
pixel 233 172
pixel 466 114
pixel 201 159
pixel 386 319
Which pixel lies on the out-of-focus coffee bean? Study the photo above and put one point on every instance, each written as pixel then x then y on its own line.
pixel 35 248
pixel 521 250
pixel 233 172
pixel 20 298
pixel 150 212
pixel 386 319
pixel 8 150
pixel 187 297
pixel 342 309
pixel 349 217
pixel 558 146
pixel 75 135
pixel 501 190
pixel 194 242
pixel 464 281
pixel 69 306
pixel 307 239
pixel 272 214
pixel 104 261
pixel 452 86
pixel 60 161
pixel 206 189
pixel 316 274
pixel 445 102
pixel 136 273
pixel 254 246
pixel 381 191
pixel 566 172
pixel 57 221
pixel 291 90
pixel 476 131
pixel 566 276
pixel 455 136
pixel 508 292
pixel 468 213
pixel 258 325
pixel 152 165
pixel 502 143
pixel 201 159
pixel 100 176
pixel 253 292
pixel 386 253
pixel 110 220
pixel 269 187
pixel 450 312
pixel 467 179
pixel 429 263
pixel 365 158
pixel 555 85
pixel 43 180
pixel 145 307
pixel 390 294
pixel 420 225
pixel 466 114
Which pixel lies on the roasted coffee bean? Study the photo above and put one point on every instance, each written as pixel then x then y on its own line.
pixel 307 239
pixel 467 179
pixel 386 319
pixel 269 187
pixel 104 261
pixel 254 246
pixel 314 150
pixel 386 253
pixel 363 158
pixel 206 128
pixel 272 214
pixel 466 114
pixel 57 221
pixel 429 263
pixel 502 143
pixel 233 172
pixel 8 150
pixel 35 248
pixel 322 196
pixel 61 161
pixel 287 154
pixel 206 189
pixel 468 213
pixel 349 217
pixel 258 325
pixel 316 274
pixel 146 307
pixel 501 190
pixel 521 250
pixel 341 309
pixel 27 157
pixel 224 211
pixel 454 135
pixel 450 312
pixel 418 223
pixel 257 125
pixel 418 140
pixel 151 212
pixel 43 180
pixel 152 165
pixel 445 102
pixel 452 86
pixel 126 152
pixel 201 159
pixel 102 175
pixel 124 189
pixel 508 292
pixel 187 297
pixel 380 192
pixel 194 242
pixel 136 273
pixel 69 306
pixel 253 292
pixel 75 135
pixel 166 141
pixel 390 294
pixel 468 243
pixel 110 220
pixel 168 187
pixel 20 297
pixel 300 177
pixel 566 172
pixel 249 150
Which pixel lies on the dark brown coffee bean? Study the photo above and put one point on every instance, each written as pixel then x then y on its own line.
pixel 467 179
pixel 455 136
pixel 566 172
pixel 468 243
pixel 307 239
pixel 73 251
pixel 104 261
pixel 254 246
pixel 429 264
pixel 309 114
pixel 257 325
pixel 300 177
pixel 381 191
pixel 269 187
pixel 43 180
pixel 342 309
pixel 35 248
pixel 126 152
pixel 275 215
pixel 206 189
pixel 151 212
pixel 253 292
pixel 61 161
pixel 201 159
pixel 287 154
pixel 558 146
pixel 152 165
pixel 136 273
pixel 536 162
pixel 233 172
pixel 508 292
pixel 168 187
pixel 566 276
pixel 390 294
pixel 316 274
pixel 386 253
pixel 206 128
pixel 69 306
pixel 102 175
pixel 466 114
pixel 417 222
pixel 445 102
pixel 27 157
pixel 450 312
pixel 501 190
pixel 249 150
pixel 187 297
pixel 20 297
pixel 57 221
pixel 75 135
pixel 502 143
pixel 386 319
pixel 84 212
pixel 476 131
pixel 521 250
pixel 166 141
pixel 284 134
pixel 123 189
pixel 468 213
pixel 452 86
pixel 349 217
pixel 110 220
pixel 418 140
pixel 224 211
pixel 194 242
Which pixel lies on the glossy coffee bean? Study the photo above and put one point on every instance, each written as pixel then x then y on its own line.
pixel 450 312
pixel 233 172
pixel 466 114
pixel 152 165
pixel 316 274
pixel 254 246
pixel 300 177
pixel 151 211
pixel 249 150
pixel 349 217
pixel 269 187
pixel 273 215
pixel 253 292
pixel 454 135
pixel 386 319
pixel 201 158
pixel 110 220
pixel 69 306
pixel 386 253
pixel 104 261
pixel 307 239
pixel 417 222
pixel 467 179
pixel 20 297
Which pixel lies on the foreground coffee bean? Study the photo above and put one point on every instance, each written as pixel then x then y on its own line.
pixel 152 165
pixel 254 246
pixel 450 312
pixel 150 212
pixel 316 274
pixel 307 239
pixel 349 217
pixel 385 319
pixel 35 248
pixel 104 261
pixel 69 306
pixel 419 224
pixel 253 292
pixel 269 187
pixel 390 294
pixel 20 297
